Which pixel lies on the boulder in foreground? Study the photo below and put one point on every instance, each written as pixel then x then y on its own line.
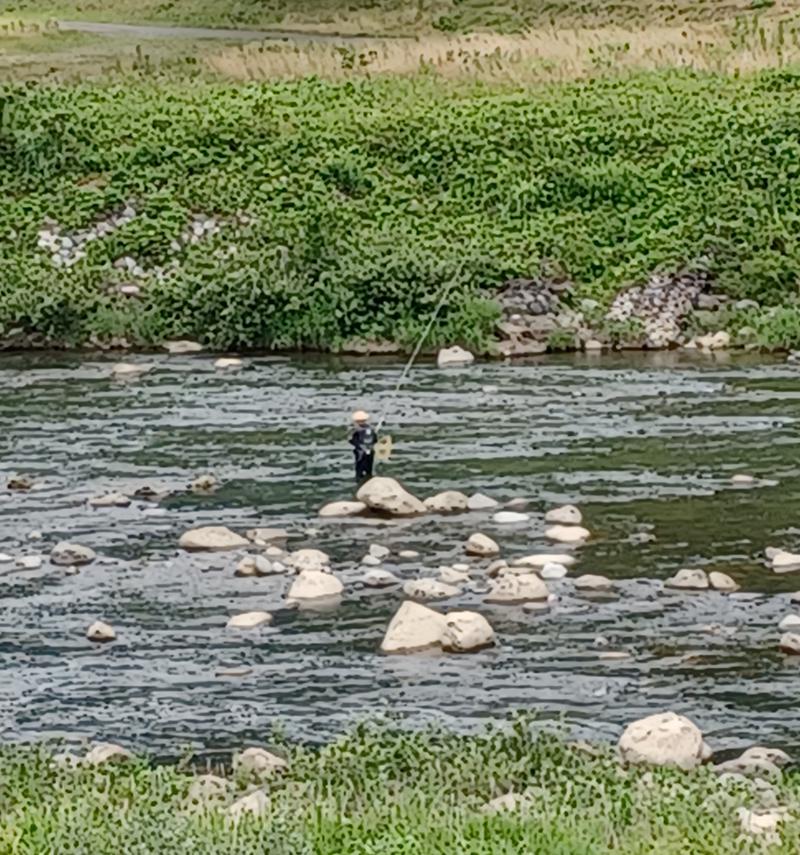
pixel 664 739
pixel 413 627
pixel 390 497
pixel 212 538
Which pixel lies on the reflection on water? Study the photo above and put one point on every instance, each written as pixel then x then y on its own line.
pixel 644 445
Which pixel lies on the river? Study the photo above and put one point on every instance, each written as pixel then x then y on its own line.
pixel 646 445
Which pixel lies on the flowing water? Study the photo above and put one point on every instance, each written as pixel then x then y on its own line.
pixel 645 445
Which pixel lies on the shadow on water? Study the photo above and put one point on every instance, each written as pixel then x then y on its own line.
pixel 645 444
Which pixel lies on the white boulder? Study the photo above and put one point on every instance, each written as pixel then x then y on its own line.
pixel 177 348
pixel 539 561
pixel 453 576
pixel 511 589
pixel 388 496
pixel 664 739
pixel 413 627
pixel 553 571
pixel 380 579
pixel 213 538
pixel 110 500
pixel 342 509
pixel 466 632
pixel 379 551
pixel 71 554
pixel 742 479
pixel 29 562
pixel 314 584
pixel 101 632
pixel 565 515
pixel 106 752
pixel 790 643
pixel 785 562
pixel 592 582
pixel 722 582
pixel 258 762
pixel 429 589
pixel 254 804
pixel 791 623
pixel 128 369
pixel 454 356
pixel 371 561
pixel 510 517
pixel 267 535
pixel 447 502
pixel 482 546
pixel 481 502
pixel 258 565
pixel 249 620
pixel 694 579
pixel 228 364
pixel 308 559
pixel 567 533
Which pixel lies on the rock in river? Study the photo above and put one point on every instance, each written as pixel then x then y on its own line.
pixel 380 579
pixel 664 739
pixel 565 515
pixel 592 582
pixel 342 509
pixel 480 502
pixel 389 497
pixel 482 546
pixel 790 643
pixel 267 535
pixel 258 565
pixel 228 364
pixel 448 502
pixel 308 559
pixel 100 632
pixel 567 533
pixel 510 517
pixel 129 369
pixel 68 554
pixel 466 632
pixel 511 589
pixel 454 356
pixel 214 538
pixel 695 580
pixel 110 500
pixel 249 620
pixel 785 562
pixel 722 582
pixel 429 589
pixel 413 627
pixel 538 561
pixel 314 584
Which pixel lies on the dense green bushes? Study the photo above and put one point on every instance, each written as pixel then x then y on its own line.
pixel 344 208
pixel 383 792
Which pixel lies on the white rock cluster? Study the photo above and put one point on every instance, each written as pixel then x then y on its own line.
pixel 67 249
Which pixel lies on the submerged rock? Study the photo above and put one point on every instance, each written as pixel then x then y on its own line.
pixel 466 632
pixel 71 554
pixel 388 496
pixel 413 627
pixel 523 588
pixel 482 546
pixel 567 533
pixel 100 632
pixel 696 580
pixel 565 515
pixel 249 620
pixel 314 584
pixel 429 589
pixel 342 509
pixel 480 502
pixel 664 739
pixel 214 538
pixel 454 356
pixel 110 500
pixel 448 502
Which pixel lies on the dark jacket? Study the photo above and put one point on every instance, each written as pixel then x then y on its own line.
pixel 363 440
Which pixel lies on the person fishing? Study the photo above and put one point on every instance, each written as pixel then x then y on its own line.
pixel 363 438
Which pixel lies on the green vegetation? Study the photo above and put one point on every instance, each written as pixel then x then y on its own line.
pixel 345 207
pixel 383 791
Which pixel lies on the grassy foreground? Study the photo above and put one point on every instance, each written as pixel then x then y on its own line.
pixel 384 791
pixel 342 208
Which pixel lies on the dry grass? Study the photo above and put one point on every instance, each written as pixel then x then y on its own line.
pixel 549 54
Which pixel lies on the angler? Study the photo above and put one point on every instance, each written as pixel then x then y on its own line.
pixel 363 438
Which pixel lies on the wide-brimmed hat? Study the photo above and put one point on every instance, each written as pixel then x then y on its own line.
pixel 360 416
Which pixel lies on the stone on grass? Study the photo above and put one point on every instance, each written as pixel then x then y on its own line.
pixel 380 579
pixel 110 500
pixel 106 752
pixel 100 632
pixel 178 348
pixel 267 535
pixel 212 538
pixel 722 582
pixel 481 502
pixel 447 502
pixel 249 620
pixel 593 582
pixel 429 589
pixel 509 803
pixel 565 515
pixel 790 643
pixel 454 356
pixel 510 517
pixel 390 497
pixel 258 762
pixel 413 627
pixel 689 579
pixel 314 584
pixel 482 546
pixel 508 590
pixel 664 739
pixel 308 559
pixel 762 823
pixel 255 804
pixel 342 509
pixel 466 632
pixel 71 554
pixel 553 571
pixel 567 533
pixel 207 791
pixel 539 561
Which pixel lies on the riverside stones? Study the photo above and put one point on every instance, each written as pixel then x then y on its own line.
pixel 693 580
pixel 388 496
pixel 482 546
pixel 567 533
pixel 565 515
pixel 512 589
pixel 263 536
pixel 214 538
pixel 258 762
pixel 592 582
pixel 429 589
pixel 539 561
pixel 249 620
pixel 180 348
pixel 106 752
pixel 466 632
pixel 100 632
pixel 342 509
pixel 664 739
pixel 314 584
pixel 413 627
pixel 257 565
pixel 447 502
pixel 454 356
pixel 308 559
pixel 127 369
pixel 110 500
pixel 71 554
pixel 254 804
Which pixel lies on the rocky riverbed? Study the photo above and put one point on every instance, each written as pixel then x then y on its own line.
pixel 674 462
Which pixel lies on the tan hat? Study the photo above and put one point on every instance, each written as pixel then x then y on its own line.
pixel 360 416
